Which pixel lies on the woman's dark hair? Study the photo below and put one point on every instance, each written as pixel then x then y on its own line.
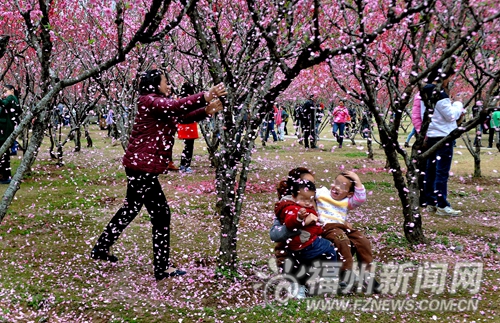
pixel 187 89
pixel 150 82
pixel 301 185
pixel 284 187
pixel 11 87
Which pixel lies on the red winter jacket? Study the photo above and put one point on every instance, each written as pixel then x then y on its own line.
pixel 150 144
pixel 286 211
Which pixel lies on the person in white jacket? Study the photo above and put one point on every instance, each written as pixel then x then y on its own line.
pixel 444 120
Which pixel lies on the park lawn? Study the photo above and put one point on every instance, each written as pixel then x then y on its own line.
pixel 46 238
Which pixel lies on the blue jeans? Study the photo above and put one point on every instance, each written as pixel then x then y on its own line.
pixel 437 173
pixel 340 127
pixel 412 133
pixel 319 248
pixel 270 128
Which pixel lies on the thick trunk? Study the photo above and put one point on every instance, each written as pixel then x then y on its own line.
pixel 477 164
pixel 410 200
pixel 231 197
pixel 78 139
pixel 475 150
pixel 229 219
pixel 408 192
pixel 60 161
pixel 477 153
pixel 413 220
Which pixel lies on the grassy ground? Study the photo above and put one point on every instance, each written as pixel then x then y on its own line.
pixel 45 240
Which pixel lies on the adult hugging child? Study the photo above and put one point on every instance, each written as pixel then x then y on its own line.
pixel 346 193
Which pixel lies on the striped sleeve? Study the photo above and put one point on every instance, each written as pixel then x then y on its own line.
pixel 358 198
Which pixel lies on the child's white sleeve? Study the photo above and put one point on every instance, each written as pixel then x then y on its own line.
pixel 358 198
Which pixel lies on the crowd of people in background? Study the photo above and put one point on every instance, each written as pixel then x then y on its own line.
pixel 348 120
pixel 310 118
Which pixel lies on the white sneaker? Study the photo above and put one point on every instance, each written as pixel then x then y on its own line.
pixel 431 209
pixel 448 211
pixel 297 291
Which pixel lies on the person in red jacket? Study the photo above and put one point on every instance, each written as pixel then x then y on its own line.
pixel 148 154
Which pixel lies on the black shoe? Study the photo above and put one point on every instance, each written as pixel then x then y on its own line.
pixel 163 274
pixel 498 146
pixel 407 145
pixel 100 254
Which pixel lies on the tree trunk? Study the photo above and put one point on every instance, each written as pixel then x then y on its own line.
pixel 477 154
pixel 408 195
pixel 475 150
pixel 410 200
pixel 52 143
pixel 477 163
pixel 228 217
pixel 369 146
pixel 231 196
pixel 60 161
pixel 78 139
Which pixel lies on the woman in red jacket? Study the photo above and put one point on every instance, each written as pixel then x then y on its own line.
pixel 148 154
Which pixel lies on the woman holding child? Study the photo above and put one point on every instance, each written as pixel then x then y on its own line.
pixel 346 193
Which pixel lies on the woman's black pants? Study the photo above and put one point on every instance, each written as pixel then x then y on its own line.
pixel 142 189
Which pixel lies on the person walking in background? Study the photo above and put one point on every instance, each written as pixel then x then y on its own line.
pixel 416 118
pixel 308 122
pixel 278 120
pixel 268 127
pixel 297 122
pixel 320 108
pixel 66 117
pixel 412 133
pixel 263 128
pixel 187 132
pixel 366 120
pixel 110 122
pixel 146 157
pixel 494 129
pixel 10 111
pixel 285 116
pixel 340 118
